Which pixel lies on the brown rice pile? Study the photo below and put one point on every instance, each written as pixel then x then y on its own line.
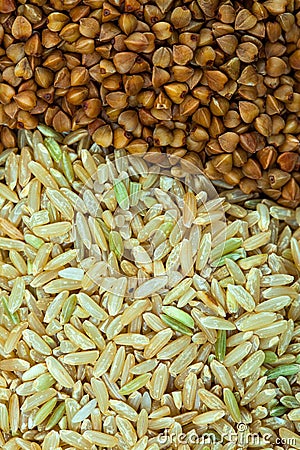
pixel 136 305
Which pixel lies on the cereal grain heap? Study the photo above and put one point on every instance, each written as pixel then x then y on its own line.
pixel 134 304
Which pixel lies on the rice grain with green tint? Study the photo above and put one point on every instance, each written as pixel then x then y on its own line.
pixel 175 325
pixel 136 384
pixel 179 315
pixel 122 195
pixel 283 371
pixel 232 405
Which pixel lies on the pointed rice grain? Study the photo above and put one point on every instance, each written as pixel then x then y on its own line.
pixel 189 209
pixel 134 310
pixel 85 411
pixel 4 418
pixel 183 360
pixel 222 375
pixel 10 229
pixel 8 194
pixel 272 330
pixel 91 306
pixel 173 348
pixel 220 346
pixel 179 315
pixel 150 287
pixel 136 384
pixel 53 148
pixel 14 364
pixel 105 360
pixel 250 322
pixel 14 337
pixel 211 400
pixel 295 249
pixel 127 430
pixel 51 440
pixel 283 371
pixel 253 391
pixel 251 364
pixel 189 391
pixel 14 413
pixel 143 367
pixel 122 195
pixel 217 323
pixel 274 304
pixel 80 358
pixel 78 338
pixel 175 325
pixel 235 271
pixel 232 405
pixel 98 234
pixel 60 202
pixel 44 412
pixel 177 291
pixel 208 417
pixel 256 241
pixel 226 247
pixel 67 166
pixel 157 343
pixel 59 285
pixel 159 382
pixel 37 342
pixel 242 297
pixel 42 175
pixel 289 436
pixel 16 297
pixel 237 354
pixel 59 373
pixel 68 306
pixel 123 409
pixel 101 394
pixel 101 439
